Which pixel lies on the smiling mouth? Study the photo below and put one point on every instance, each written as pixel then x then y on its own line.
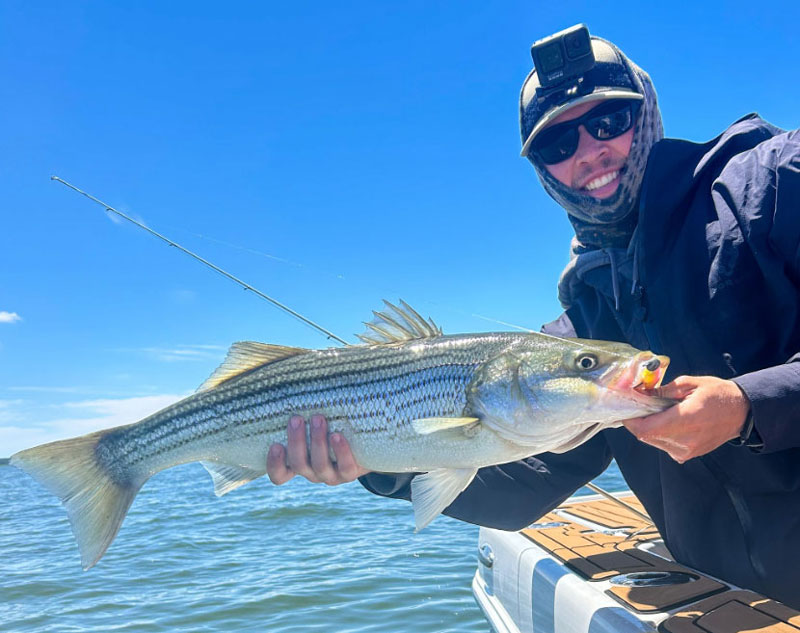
pixel 601 181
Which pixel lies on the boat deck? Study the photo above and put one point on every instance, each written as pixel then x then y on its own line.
pixel 595 566
pixel 614 546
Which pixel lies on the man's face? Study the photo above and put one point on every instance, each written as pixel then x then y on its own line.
pixel 594 167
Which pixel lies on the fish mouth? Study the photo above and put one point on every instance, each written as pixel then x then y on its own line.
pixel 650 373
pixel 641 377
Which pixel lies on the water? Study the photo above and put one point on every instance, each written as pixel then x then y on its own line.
pixel 295 558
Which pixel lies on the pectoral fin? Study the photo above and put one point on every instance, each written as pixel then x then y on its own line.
pixel 425 426
pixel 432 492
pixel 227 478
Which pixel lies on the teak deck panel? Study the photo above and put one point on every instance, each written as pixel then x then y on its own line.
pixel 741 611
pixel 600 555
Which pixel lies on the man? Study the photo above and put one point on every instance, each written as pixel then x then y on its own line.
pixel 690 250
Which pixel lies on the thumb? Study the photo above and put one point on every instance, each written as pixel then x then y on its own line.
pixel 679 388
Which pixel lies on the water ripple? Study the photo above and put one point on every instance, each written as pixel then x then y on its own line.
pixel 294 558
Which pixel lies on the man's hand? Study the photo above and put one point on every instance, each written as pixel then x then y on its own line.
pixel 315 465
pixel 711 411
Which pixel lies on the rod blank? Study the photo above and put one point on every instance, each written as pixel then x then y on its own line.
pixel 213 267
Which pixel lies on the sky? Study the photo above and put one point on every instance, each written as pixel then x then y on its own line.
pixel 330 154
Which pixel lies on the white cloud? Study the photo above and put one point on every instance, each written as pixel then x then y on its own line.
pixel 181 352
pixel 37 389
pixel 10 413
pixel 18 430
pixel 9 317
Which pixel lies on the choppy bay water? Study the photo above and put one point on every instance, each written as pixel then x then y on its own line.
pixel 299 557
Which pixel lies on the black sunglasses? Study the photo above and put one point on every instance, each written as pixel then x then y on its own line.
pixel 609 120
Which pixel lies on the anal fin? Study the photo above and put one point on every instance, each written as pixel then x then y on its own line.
pixel 227 477
pixel 432 492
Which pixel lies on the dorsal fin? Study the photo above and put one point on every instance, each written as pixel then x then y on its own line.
pixel 398 324
pixel 246 355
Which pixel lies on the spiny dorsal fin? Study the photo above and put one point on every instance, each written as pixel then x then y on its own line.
pixel 246 355
pixel 398 324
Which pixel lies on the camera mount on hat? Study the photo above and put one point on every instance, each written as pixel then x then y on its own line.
pixel 562 59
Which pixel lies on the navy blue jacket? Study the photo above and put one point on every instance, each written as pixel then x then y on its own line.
pixel 718 292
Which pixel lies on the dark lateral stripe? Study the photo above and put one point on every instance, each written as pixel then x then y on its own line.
pixel 361 390
pixel 360 398
pixel 216 430
pixel 171 434
pixel 337 370
pixel 285 388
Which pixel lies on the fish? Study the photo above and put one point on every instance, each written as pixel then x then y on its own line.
pixel 408 398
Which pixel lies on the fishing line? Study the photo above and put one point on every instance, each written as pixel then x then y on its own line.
pixel 253 251
pixel 583 344
pixel 619 502
pixel 491 320
pixel 207 263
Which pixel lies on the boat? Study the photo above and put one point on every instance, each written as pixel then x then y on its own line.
pixel 598 565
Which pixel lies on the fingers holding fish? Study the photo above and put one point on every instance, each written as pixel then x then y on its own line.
pixel 711 412
pixel 313 462
pixel 321 465
pixel 678 389
pixel 343 468
pixel 349 469
pixel 277 470
pixel 297 457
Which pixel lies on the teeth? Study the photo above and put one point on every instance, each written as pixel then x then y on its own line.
pixel 602 181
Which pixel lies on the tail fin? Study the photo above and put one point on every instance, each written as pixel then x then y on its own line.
pixel 96 504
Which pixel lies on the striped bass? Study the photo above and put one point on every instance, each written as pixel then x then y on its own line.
pixel 408 400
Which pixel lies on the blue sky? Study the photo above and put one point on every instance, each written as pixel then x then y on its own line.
pixel 330 154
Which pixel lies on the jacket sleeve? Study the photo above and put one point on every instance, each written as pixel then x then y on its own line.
pixel 774 392
pixel 512 496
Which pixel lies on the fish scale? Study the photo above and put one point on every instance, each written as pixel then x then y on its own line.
pixel 411 400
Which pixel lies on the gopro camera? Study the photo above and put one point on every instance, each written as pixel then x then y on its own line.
pixel 564 56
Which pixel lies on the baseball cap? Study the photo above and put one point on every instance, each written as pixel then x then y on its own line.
pixel 610 78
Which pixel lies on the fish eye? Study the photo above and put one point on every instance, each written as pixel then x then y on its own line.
pixel 585 362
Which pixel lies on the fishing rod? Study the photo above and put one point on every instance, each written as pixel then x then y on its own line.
pixel 213 267
pixel 277 303
pixel 247 286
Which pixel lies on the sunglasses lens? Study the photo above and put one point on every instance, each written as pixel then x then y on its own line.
pixel 556 144
pixel 614 120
